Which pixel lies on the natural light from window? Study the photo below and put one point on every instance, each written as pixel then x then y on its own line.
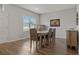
pixel 28 22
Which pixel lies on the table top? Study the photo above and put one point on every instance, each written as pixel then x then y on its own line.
pixel 42 31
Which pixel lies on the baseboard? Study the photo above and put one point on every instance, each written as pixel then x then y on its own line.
pixel 60 38
pixel 12 40
pixel 16 39
pixel 25 38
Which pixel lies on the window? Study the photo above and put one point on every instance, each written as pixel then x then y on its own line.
pixel 28 22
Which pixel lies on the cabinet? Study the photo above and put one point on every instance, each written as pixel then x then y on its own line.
pixel 72 39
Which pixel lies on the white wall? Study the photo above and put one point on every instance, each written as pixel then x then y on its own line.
pixel 67 20
pixel 14 24
pixel 78 15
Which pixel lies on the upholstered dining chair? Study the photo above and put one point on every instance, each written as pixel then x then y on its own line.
pixel 51 37
pixel 33 37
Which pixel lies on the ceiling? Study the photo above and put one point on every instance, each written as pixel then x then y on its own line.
pixel 46 8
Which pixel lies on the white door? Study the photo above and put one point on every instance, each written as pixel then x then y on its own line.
pixel 3 27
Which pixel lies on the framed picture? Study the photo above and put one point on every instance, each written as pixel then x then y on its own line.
pixel 55 22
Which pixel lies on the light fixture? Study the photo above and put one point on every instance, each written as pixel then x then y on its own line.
pixel 37 9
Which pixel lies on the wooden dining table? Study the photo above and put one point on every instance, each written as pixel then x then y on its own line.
pixel 42 34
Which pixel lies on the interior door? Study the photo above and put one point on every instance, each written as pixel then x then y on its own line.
pixel 3 27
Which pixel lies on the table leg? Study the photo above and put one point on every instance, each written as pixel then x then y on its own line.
pixel 44 41
pixel 40 43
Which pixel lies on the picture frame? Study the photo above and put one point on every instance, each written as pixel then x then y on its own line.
pixel 55 22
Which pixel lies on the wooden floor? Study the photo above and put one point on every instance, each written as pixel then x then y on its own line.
pixel 22 47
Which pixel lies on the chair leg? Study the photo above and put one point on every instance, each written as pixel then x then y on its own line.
pixel 40 43
pixel 30 45
pixel 44 42
pixel 53 42
pixel 49 42
pixel 36 45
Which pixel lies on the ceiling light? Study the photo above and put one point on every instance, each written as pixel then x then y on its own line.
pixel 36 8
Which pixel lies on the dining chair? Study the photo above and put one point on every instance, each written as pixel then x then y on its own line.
pixel 51 37
pixel 33 38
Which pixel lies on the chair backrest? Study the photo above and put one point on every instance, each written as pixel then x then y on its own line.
pixel 42 27
pixel 33 34
pixel 52 32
